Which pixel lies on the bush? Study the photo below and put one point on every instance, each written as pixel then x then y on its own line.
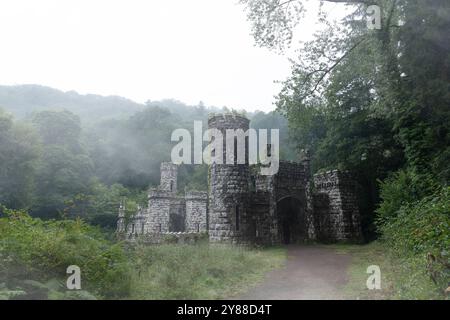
pixel 418 234
pixel 402 188
pixel 422 226
pixel 41 250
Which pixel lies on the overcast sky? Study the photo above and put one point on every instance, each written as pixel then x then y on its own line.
pixel 196 50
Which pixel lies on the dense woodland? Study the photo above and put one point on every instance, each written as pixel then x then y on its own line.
pixel 375 102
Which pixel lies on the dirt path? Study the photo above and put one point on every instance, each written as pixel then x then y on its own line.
pixel 311 272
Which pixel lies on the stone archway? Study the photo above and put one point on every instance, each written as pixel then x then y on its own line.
pixel 291 220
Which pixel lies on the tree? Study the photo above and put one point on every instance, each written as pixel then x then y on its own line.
pixel 65 168
pixel 274 21
pixel 19 150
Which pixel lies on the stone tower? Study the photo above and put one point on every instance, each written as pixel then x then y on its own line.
pixel 336 207
pixel 229 186
pixel 169 172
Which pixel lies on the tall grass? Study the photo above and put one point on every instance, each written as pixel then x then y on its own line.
pixel 201 271
pixel 35 254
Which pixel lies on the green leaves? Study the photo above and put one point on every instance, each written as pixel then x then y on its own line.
pixel 19 150
pixel 414 230
pixel 42 250
pixel 273 21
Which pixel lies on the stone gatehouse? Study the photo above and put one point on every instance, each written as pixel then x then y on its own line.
pixel 242 206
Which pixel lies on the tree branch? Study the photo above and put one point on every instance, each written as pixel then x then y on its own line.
pixel 327 71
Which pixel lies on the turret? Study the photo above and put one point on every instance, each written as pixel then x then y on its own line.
pixel 169 172
pixel 229 185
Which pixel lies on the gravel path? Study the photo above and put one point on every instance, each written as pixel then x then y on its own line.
pixel 311 273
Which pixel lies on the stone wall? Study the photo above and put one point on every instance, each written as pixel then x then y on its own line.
pixel 196 211
pixel 322 216
pixel 336 207
pixel 171 237
pixel 177 215
pixel 262 224
pixel 160 206
pixel 229 187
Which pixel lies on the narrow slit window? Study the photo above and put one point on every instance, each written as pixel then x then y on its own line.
pixel 235 150
pixel 237 217
pixel 269 150
pixel 171 186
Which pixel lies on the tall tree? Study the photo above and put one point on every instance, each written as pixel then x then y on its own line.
pixel 65 168
pixel 19 150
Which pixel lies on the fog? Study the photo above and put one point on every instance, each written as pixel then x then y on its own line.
pixel 187 50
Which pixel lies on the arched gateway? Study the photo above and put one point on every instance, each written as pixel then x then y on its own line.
pixel 291 220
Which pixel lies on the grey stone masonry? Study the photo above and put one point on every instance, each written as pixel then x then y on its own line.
pixel 169 174
pixel 159 208
pixel 229 188
pixel 336 207
pixel 196 211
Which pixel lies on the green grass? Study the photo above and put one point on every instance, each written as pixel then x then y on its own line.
pixel 201 271
pixel 402 277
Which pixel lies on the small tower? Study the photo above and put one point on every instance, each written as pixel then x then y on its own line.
pixel 121 218
pixel 169 172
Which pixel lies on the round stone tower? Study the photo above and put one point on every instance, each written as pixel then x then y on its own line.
pixel 229 184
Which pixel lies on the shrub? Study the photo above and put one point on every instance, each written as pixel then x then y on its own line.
pixel 421 226
pixel 419 235
pixel 402 188
pixel 41 250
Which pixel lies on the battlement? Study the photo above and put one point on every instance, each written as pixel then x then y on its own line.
pixel 228 121
pixel 333 178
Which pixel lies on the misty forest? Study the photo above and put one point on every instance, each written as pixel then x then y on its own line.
pixel 375 102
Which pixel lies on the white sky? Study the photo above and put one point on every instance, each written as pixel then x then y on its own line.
pixel 189 50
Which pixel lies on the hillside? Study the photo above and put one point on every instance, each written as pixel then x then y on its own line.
pixel 22 100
